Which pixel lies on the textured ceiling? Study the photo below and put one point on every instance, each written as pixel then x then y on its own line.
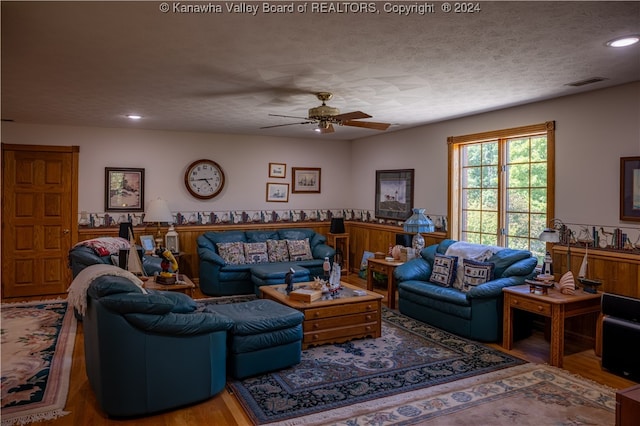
pixel 91 63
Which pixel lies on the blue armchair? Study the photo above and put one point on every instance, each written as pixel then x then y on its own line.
pixel 476 313
pixel 150 352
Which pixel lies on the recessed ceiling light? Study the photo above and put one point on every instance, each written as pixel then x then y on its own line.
pixel 623 41
pixel 134 117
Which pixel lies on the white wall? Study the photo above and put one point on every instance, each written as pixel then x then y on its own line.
pixel 166 155
pixel 593 130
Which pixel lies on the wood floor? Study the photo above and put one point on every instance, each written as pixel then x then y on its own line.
pixel 225 410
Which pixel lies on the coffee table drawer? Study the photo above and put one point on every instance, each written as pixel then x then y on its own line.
pixel 531 306
pixel 340 310
pixel 341 334
pixel 342 321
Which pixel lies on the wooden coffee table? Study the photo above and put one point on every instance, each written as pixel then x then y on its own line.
pixel 186 286
pixel 333 319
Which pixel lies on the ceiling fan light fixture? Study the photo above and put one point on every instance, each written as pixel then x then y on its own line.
pixel 322 111
pixel 624 41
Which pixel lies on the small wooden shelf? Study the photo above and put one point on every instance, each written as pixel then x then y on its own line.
pixel 341 242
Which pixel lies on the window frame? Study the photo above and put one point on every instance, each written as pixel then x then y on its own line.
pixel 454 208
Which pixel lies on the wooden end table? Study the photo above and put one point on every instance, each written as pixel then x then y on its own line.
pixel 384 267
pixel 186 286
pixel 554 305
pixel 333 320
pixel 628 406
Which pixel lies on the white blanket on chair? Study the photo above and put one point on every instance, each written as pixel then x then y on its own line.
pixel 464 250
pixel 78 289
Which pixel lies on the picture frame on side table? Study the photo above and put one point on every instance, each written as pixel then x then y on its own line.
pixel 148 243
pixel 394 194
pixel 630 188
pixel 305 180
pixel 124 189
pixel 277 170
pixel 277 192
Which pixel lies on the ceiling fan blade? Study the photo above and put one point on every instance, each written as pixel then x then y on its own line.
pixel 367 124
pixel 288 116
pixel 328 129
pixel 289 124
pixel 355 115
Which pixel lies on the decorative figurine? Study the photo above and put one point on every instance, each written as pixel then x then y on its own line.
pixel 288 280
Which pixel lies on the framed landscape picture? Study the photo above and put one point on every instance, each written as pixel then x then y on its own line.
pixel 630 188
pixel 394 194
pixel 278 192
pixel 124 189
pixel 305 179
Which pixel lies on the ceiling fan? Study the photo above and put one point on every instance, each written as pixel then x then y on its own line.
pixel 325 117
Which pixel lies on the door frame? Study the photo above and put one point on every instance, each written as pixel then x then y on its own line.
pixel 74 150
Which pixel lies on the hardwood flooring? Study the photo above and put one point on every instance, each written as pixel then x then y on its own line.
pixel 224 409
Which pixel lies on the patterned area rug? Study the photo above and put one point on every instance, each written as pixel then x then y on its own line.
pixel 37 350
pixel 410 356
pixel 530 394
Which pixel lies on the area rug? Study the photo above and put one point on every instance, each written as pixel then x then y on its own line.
pixel 409 356
pixel 529 394
pixel 37 351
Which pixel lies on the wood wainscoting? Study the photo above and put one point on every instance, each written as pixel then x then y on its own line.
pixel 619 271
pixel 364 236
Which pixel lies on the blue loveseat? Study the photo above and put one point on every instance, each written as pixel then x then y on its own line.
pixel 476 313
pixel 221 278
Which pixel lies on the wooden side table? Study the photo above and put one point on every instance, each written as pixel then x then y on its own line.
pixel 554 305
pixel 628 406
pixel 341 242
pixel 384 267
pixel 186 286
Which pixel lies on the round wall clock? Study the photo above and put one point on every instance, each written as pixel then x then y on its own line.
pixel 204 179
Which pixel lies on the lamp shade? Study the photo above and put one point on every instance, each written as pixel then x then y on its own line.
pixel 337 225
pixel 549 236
pixel 158 211
pixel 418 222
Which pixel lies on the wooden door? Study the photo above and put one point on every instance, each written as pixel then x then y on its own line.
pixel 39 204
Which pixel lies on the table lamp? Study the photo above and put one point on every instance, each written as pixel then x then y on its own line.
pixel 158 211
pixel 418 223
pixel 552 234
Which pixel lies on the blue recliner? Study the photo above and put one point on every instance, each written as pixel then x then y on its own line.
pixel 147 353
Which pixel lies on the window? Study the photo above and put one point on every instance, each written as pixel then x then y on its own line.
pixel 501 186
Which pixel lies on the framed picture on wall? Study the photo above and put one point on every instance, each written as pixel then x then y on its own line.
pixel 277 170
pixel 305 179
pixel 394 194
pixel 278 192
pixel 124 189
pixel 630 188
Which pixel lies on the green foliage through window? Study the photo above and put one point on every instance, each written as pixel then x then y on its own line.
pixel 502 191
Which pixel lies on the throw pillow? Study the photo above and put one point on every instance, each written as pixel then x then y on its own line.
pixel 444 270
pixel 232 253
pixel 299 250
pixel 277 251
pixel 475 273
pixel 255 253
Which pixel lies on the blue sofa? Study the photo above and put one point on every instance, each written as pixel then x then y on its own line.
pixel 474 314
pixel 81 256
pixel 220 278
pixel 147 353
